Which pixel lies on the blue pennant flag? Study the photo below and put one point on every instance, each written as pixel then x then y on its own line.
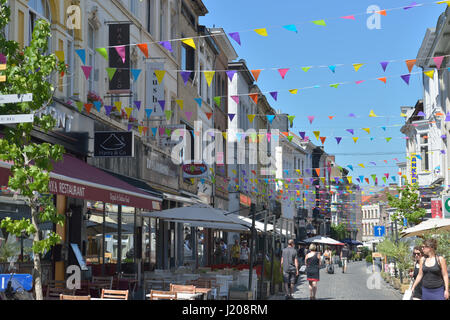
pixel 148 112
pixel 98 105
pixel 135 73
pixel 82 54
pixel 199 101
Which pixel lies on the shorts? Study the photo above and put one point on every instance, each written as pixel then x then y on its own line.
pixel 344 261
pixel 290 277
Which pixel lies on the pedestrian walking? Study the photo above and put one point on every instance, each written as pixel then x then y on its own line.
pixel 289 264
pixel 433 273
pixel 312 261
pixel 235 252
pixel 328 256
pixel 345 253
pixel 417 255
pixel 245 252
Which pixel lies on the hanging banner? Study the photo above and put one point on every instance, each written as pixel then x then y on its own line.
pixel 413 169
pixel 154 89
pixel 119 57
pixel 436 208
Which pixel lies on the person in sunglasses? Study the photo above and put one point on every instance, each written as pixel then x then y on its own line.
pixel 417 255
pixel 433 271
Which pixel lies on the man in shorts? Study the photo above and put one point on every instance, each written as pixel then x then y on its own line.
pixel 345 252
pixel 289 263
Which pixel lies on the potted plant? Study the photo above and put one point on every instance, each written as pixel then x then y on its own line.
pixel 93 97
pixel 369 261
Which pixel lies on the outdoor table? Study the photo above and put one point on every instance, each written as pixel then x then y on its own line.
pixel 204 291
pixel 185 296
pixel 99 287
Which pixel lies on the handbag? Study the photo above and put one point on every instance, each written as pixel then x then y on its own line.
pixel 408 293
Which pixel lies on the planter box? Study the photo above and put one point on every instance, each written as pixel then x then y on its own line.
pixel 240 295
pixel 404 287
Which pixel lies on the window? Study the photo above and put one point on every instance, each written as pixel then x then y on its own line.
pixel 70 62
pixel 173 32
pixel 38 9
pixel 91 55
pixel 134 7
pixel 424 151
pixel 150 10
pixel 188 60
pixel 162 21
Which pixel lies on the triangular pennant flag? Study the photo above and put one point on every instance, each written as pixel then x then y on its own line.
pixel 442 2
pixel 135 73
pixel 251 117
pixel 274 95
pixel 332 68
pixel 235 99
pixel 130 126
pixel 231 74
pixel 261 32
pixel 360 81
pixel 168 114
pixel 148 112
pixel 270 118
pixel 382 12
pixel 111 72
pixel 372 114
pixel 255 74
pixel 410 64
pixel 366 130
pixel 357 66
pixel 79 105
pixel 388 139
pixel 144 48
pixel 254 97
pixel 60 55
pixel 87 71
pixel 290 138
pixel 317 134
pixel 438 61
pixel 180 102
pixel 306 69
pixel 330 117
pixel 217 100
pixel 349 180
pixel 103 52
pixel 231 116
pixel 82 54
pixel 160 75
pixel 350 130
pixel 154 130
pixel 350 166
pixel 185 75
pixel 338 139
pixel 361 165
pixel 235 36
pixel 190 42
pixel 108 109
pixel 302 134
pixel 430 73
pixel 384 65
pixel 283 72
pixel 384 128
pixel 293 91
pixel 118 105
pixel 351 17
pixel 167 45
pixel 335 85
pixel 406 78
pixel 121 51
pixel 291 120
pixel 98 105
pixel 199 101
pixel 128 111
pixel 383 79
pixel 355 139
pixel 140 128
pixel 162 104
pixel 88 107
pixel 208 115
pixel 323 139
pixel 319 22
pixel 137 104
pixel 209 75
pixel 188 115
pixel 224 134
pixel 291 27
pixel 317 171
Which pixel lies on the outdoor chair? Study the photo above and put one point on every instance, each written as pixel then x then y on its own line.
pixel 103 280
pixel 182 288
pixel 115 294
pixel 53 293
pixel 162 295
pixel 154 285
pixel 68 297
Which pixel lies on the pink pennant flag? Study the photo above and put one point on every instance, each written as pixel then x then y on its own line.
pixel 350 17
pixel 311 119
pixel 235 99
pixel 87 71
pixel 121 51
pixel 360 81
pixel 283 72
pixel 188 115
pixel 438 61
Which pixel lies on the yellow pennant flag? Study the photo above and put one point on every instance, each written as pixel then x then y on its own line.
pixel 180 102
pixel 317 134
pixel 118 105
pixel 60 55
pixel 209 75
pixel 224 135
pixel 140 128
pixel 430 73
pixel 190 42
pixel 442 2
pixel 261 32
pixel 251 117
pixel 372 114
pixel 128 111
pixel 366 130
pixel 403 115
pixel 293 91
pixel 160 75
pixel 357 66
pixel 234 171
pixel 355 139
pixel 349 180
pixel 361 165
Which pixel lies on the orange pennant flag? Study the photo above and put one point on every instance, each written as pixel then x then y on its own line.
pixel 382 12
pixel 208 115
pixel 317 171
pixel 331 117
pixel 384 79
pixel 144 48
pixel 410 64
pixel 323 139
pixel 255 74
pixel 254 97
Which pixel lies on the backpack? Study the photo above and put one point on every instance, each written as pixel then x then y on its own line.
pixel 330 269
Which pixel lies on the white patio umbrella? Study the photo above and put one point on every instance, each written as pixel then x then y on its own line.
pixel 429 226
pixel 323 240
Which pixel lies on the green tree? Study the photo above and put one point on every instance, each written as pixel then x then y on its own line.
pixel 30 71
pixel 339 231
pixel 407 204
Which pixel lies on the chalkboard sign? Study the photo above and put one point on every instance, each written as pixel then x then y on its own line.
pixel 79 256
pixel 114 144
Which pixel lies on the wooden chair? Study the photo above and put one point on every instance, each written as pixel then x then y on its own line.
pixel 182 288
pixel 103 280
pixel 115 294
pixel 53 293
pixel 67 297
pixel 163 295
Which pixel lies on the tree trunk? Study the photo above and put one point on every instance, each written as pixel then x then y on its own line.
pixel 37 270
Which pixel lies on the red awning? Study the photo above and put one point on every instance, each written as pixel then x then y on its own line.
pixel 74 178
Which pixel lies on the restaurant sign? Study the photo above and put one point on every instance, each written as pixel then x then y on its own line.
pixel 114 144
pixel 413 169
pixel 195 170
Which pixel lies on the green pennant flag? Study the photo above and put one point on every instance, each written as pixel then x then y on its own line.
pixel 319 22
pixel 103 52
pixel 291 120
pixel 168 132
pixel 80 105
pixel 218 100
pixel 374 177
pixel 111 72
pixel 290 138
pixel 168 114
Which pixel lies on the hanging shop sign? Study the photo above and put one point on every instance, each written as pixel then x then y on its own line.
pixel 155 89
pixel 114 144
pixel 195 170
pixel 119 35
pixel 413 169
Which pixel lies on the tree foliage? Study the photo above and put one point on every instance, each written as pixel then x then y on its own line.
pixel 339 231
pixel 407 204
pixel 30 71
pixel 401 252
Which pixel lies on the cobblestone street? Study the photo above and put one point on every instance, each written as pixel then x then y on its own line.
pixel 357 284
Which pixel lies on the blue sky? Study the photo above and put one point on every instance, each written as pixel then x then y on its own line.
pixel 340 42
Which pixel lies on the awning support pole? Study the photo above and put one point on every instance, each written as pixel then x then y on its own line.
pixel 103 238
